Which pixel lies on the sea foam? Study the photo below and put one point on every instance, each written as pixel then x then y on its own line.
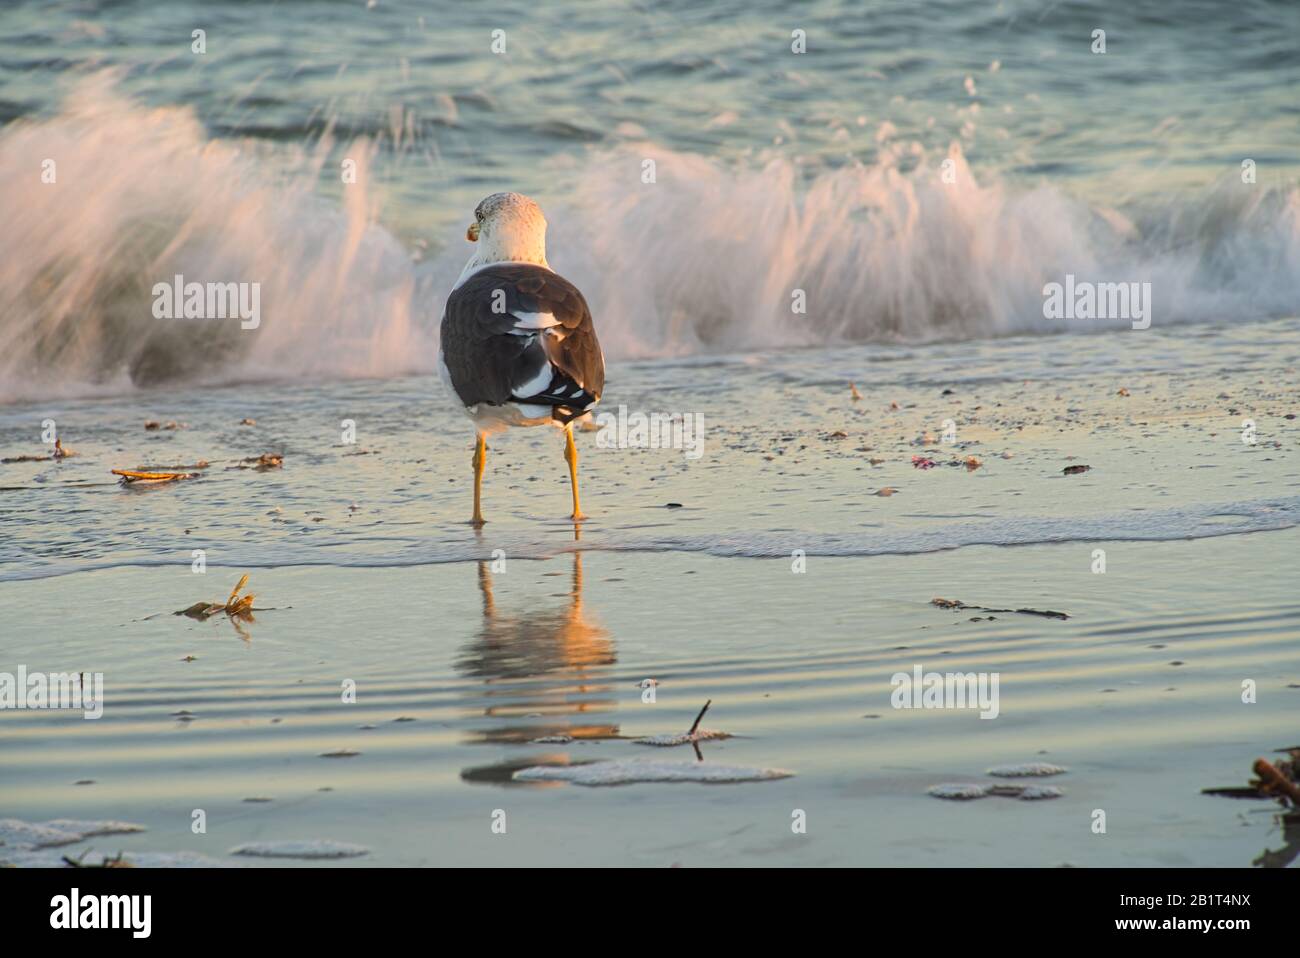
pixel 710 258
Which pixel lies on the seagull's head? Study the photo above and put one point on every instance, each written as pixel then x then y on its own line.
pixel 509 227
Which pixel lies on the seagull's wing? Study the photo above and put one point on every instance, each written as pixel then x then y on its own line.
pixel 515 332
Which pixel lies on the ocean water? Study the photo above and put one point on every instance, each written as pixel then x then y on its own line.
pixel 821 171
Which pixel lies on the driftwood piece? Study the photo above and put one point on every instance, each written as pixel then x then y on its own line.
pixel 130 476
pixel 1275 783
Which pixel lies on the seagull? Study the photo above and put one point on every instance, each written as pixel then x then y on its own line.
pixel 518 347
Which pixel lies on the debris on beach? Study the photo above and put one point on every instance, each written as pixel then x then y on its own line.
pixel 965 792
pixel 153 425
pixel 1025 770
pixel 692 735
pixel 968 791
pixel 58 453
pixel 340 753
pixel 1027 793
pixel 1279 781
pixel 309 848
pixel 1045 613
pixel 116 861
pixel 683 738
pixel 854 394
pixel 133 476
pixel 887 491
pixel 16 833
pixel 1122 392
pixel 957 606
pixel 957 792
pixel 925 462
pixel 1273 780
pixel 1074 470
pixel 91 828
pixel 236 607
pixel 262 463
pixel 631 771
pixel 247 422
pixel 46 858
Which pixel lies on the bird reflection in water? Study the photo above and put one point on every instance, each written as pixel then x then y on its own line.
pixel 546 675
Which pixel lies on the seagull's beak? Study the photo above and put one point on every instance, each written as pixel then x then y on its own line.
pixel 471 234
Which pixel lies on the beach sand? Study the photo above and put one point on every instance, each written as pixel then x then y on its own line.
pixel 459 669
pixel 1138 694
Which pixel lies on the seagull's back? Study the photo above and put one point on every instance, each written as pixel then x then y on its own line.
pixel 519 345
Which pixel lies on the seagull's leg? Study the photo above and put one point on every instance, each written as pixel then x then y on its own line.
pixel 571 457
pixel 480 460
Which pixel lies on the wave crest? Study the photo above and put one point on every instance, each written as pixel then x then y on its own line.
pixel 140 195
pixel 706 258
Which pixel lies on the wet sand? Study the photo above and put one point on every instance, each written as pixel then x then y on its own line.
pixel 790 460
pixel 459 671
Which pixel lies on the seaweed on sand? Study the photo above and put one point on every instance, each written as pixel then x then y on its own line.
pixel 957 605
pixel 132 476
pixel 236 607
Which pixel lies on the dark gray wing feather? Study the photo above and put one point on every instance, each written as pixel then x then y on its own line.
pixel 492 354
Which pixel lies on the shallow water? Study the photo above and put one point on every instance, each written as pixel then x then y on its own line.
pixel 798 668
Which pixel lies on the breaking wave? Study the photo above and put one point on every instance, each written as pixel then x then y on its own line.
pixel 707 258
pixel 140 195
